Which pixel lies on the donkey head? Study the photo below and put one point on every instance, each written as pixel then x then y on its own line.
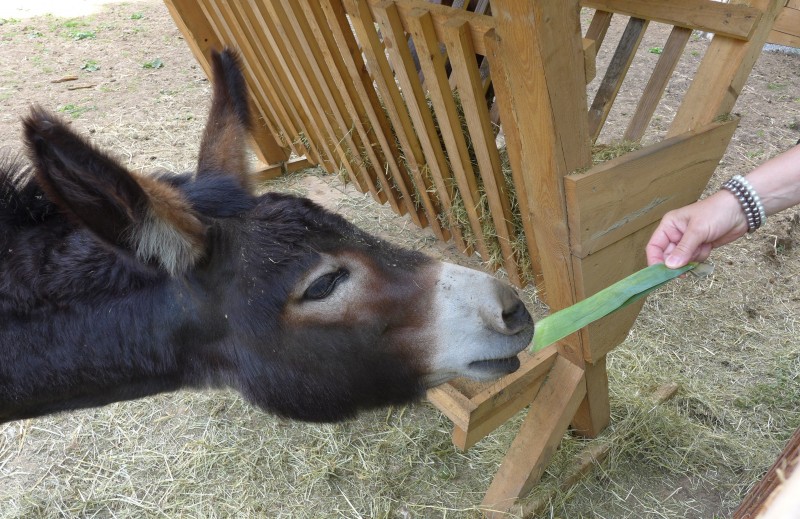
pixel 302 312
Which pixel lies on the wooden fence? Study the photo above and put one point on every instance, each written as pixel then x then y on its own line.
pixel 407 99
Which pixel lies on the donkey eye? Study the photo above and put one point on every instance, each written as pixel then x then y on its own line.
pixel 324 285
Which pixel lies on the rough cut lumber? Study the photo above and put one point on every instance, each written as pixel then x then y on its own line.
pixel 541 432
pixel 782 479
pixel 722 73
pixel 786 30
pixel 620 196
pixel 732 20
pixel 673 50
pixel 615 75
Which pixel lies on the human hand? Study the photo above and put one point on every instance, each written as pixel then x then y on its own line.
pixel 691 232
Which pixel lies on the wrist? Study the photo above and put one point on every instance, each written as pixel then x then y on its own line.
pixel 748 200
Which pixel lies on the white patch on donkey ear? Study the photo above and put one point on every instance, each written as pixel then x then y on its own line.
pixel 169 231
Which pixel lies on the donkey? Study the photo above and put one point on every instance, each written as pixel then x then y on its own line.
pixel 116 285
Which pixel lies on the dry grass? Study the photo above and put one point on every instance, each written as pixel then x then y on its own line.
pixel 729 341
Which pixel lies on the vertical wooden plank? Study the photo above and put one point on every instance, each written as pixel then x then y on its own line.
pixel 722 73
pixel 615 75
pixel 301 67
pixel 657 83
pixel 257 61
pixel 363 25
pixel 502 90
pixel 307 104
pixel 200 37
pixel 362 84
pixel 468 78
pixel 257 82
pixel 285 85
pixel 432 63
pixel 539 136
pixel 548 103
pixel 301 46
pixel 354 110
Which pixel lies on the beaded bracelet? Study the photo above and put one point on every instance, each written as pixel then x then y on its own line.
pixel 751 204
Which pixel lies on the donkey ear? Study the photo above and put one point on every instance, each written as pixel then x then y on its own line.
pixel 140 214
pixel 223 148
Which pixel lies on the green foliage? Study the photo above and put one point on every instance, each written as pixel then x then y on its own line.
pixel 153 64
pixel 90 66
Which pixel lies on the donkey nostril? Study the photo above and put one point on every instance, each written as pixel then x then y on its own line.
pixel 516 317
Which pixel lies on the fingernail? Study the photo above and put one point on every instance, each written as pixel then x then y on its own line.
pixel 672 262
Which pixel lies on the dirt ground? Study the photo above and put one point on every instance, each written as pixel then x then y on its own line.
pixel 122 73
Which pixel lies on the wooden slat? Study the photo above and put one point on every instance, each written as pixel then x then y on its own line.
pixel 255 80
pixel 394 37
pixel 615 75
pixel 392 178
pixel 786 30
pixel 286 80
pixel 476 113
pixel 226 34
pixel 285 111
pixel 500 74
pixel 732 20
pixel 722 73
pixel 479 24
pixel 620 196
pixel 362 22
pixel 673 50
pixel 598 28
pixel 303 46
pixel 359 88
pixel 306 72
pixel 201 40
pixel 432 65
pixel 468 403
pixel 540 434
pixel 785 469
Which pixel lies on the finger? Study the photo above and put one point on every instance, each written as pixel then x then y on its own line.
pixel 685 250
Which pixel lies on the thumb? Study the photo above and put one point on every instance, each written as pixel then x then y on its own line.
pixel 684 251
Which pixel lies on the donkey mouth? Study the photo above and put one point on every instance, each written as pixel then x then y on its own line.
pixel 495 366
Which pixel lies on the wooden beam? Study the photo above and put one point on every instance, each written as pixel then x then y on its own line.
pixel 732 20
pixel 673 50
pixel 772 484
pixel 541 432
pixel 615 75
pixel 618 197
pixel 786 30
pixel 722 73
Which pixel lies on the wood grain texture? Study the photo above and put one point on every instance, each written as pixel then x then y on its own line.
pixel 732 20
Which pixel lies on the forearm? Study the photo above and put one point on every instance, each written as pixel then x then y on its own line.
pixel 777 181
